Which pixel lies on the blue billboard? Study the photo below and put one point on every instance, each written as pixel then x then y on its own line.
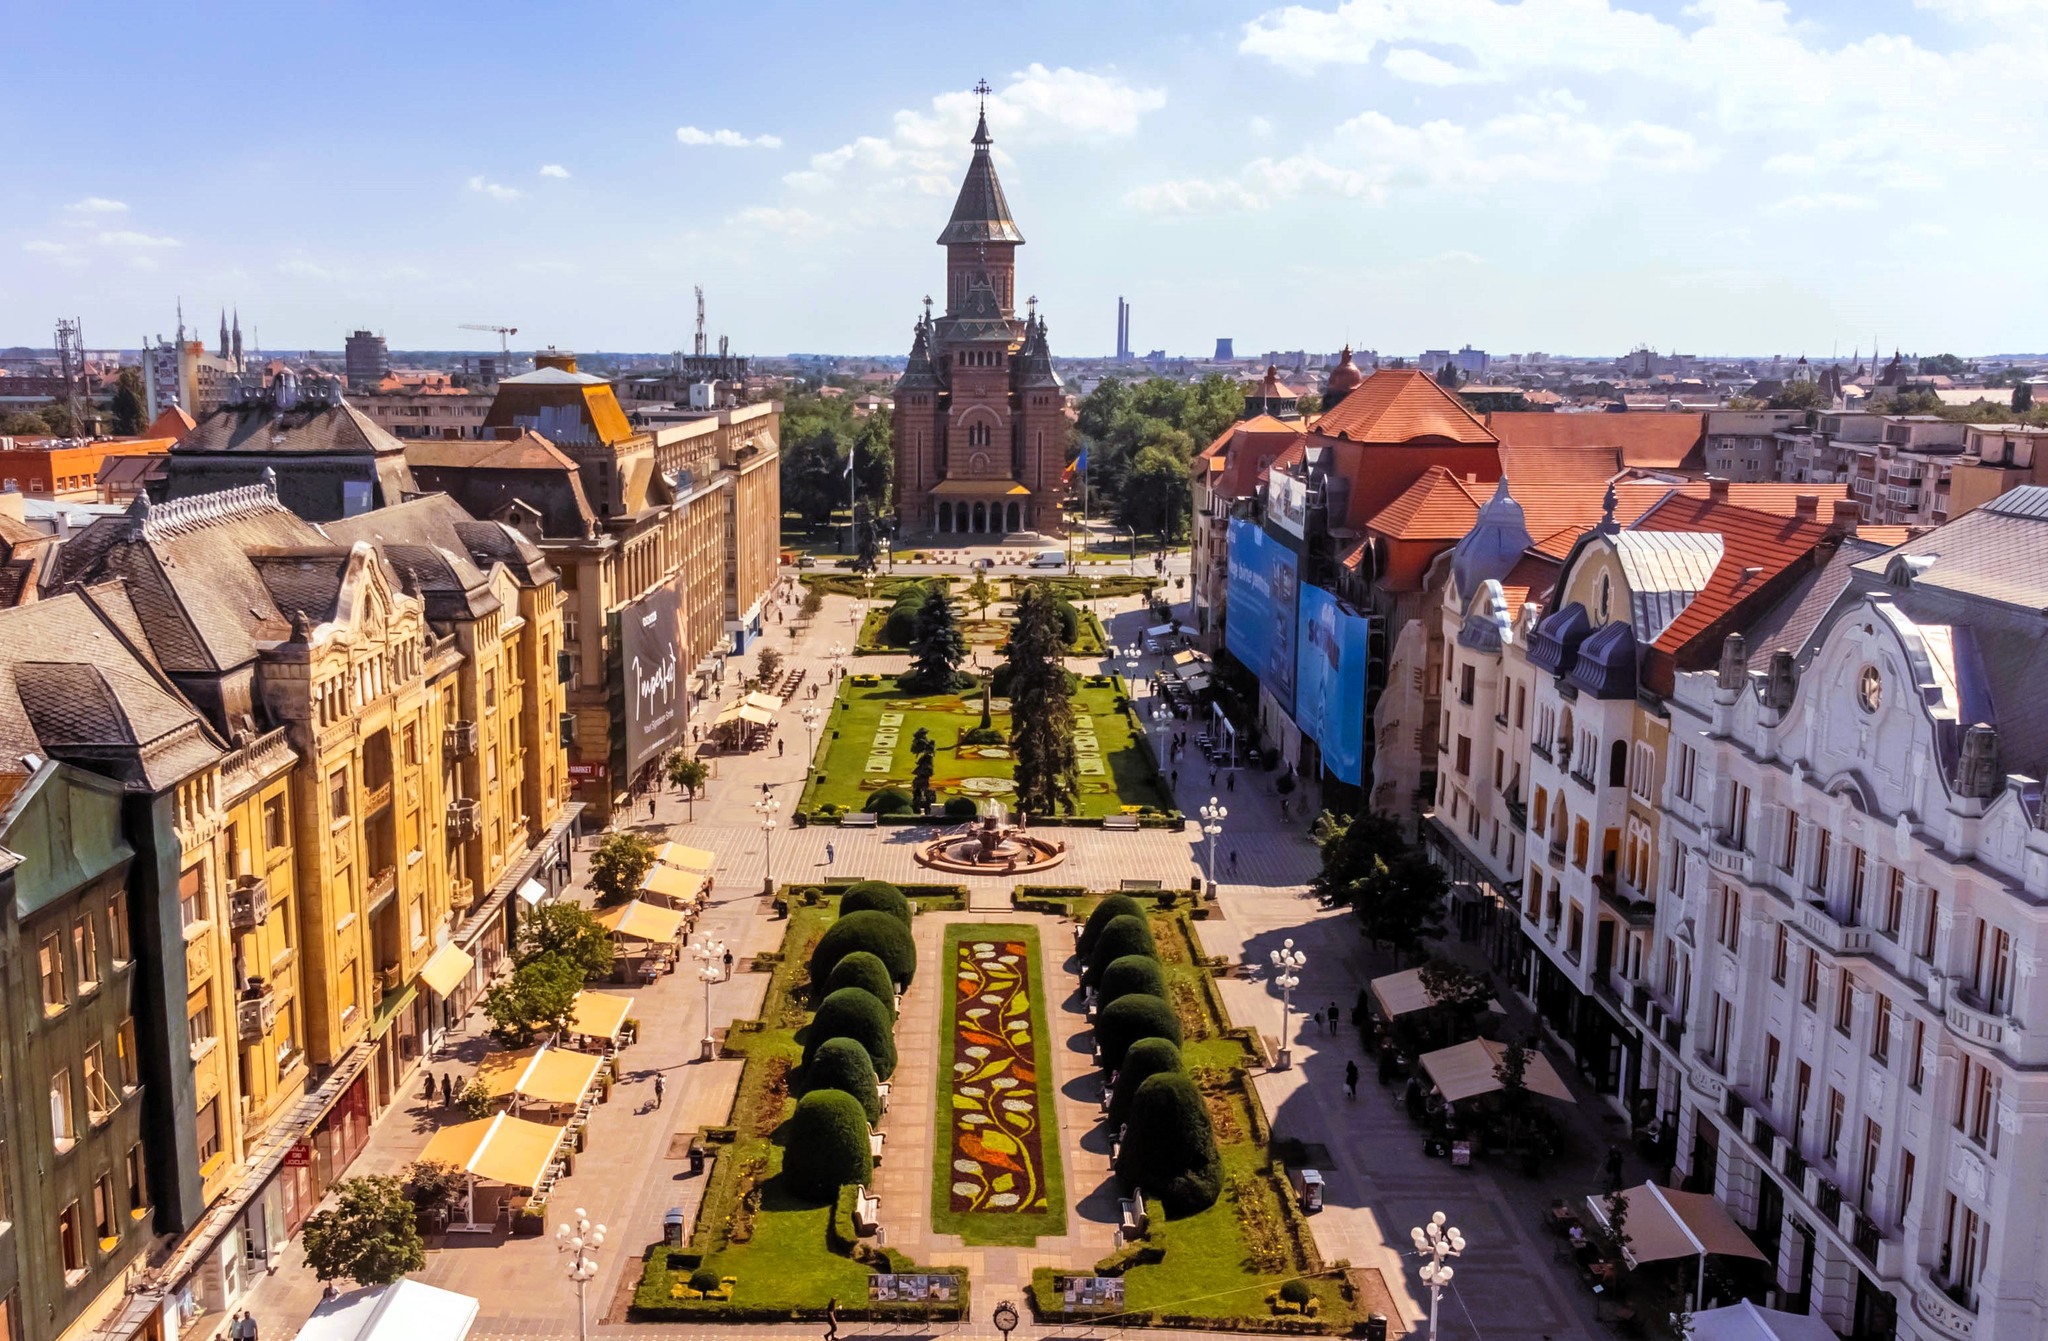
pixel 1331 682
pixel 1259 618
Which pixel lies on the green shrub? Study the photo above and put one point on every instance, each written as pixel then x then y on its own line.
pixel 1296 1291
pixel 983 735
pixel 1125 935
pixel 861 969
pixel 705 1281
pixel 960 808
pixel 852 1013
pixel 999 680
pixel 884 937
pixel 1129 1018
pixel 843 1064
pixel 1130 975
pixel 827 1144
pixel 1115 905
pixel 877 894
pixel 1143 1060
pixel 1169 1149
pixel 888 801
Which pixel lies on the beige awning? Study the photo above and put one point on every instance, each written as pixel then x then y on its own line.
pixel 502 1149
pixel 765 702
pixel 599 1014
pixel 642 921
pixel 548 1075
pixel 1665 1224
pixel 759 716
pixel 446 968
pixel 729 713
pixel 670 883
pixel 500 1071
pixel 1467 1071
pixel 685 857
pixel 1401 993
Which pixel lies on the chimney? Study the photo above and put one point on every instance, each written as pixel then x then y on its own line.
pixel 1807 507
pixel 1846 514
pixel 1717 488
pixel 560 359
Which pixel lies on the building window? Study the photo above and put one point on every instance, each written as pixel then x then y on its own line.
pixel 1823 854
pixel 490 691
pixel 337 795
pixel 1788 855
pixel 1894 903
pixel 125 1063
pixel 1684 765
pixel 63 1124
pixel 1976 1101
pixel 1964 1237
pixel 207 1130
pixel 1845 1002
pixel 1909 1168
pixel 71 1244
pixel 1729 925
pixel 346 990
pixel 1802 1090
pixel 1838 1108
pixel 50 957
pixel 1916 1065
pixel 274 830
pixel 1880 1028
pixel 103 1212
pixel 1781 952
pixel 1464 757
pixel 198 1021
pixel 192 909
pixel 138 1186
pixel 1738 818
pixel 1859 870
pixel 1930 925
pixel 85 947
pixel 1771 1053
pixel 1809 990
pixel 118 942
pixel 99 1100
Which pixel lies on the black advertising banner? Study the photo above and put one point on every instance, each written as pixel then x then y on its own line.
pixel 650 658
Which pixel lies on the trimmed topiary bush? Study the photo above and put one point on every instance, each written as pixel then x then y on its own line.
pixel 1126 935
pixel 1296 1291
pixel 888 801
pixel 861 969
pixel 844 1065
pixel 855 1014
pixel 1131 975
pixel 1143 1060
pixel 883 936
pixel 827 1144
pixel 1129 1018
pixel 879 895
pixel 705 1281
pixel 1169 1149
pixel 1116 905
pixel 959 808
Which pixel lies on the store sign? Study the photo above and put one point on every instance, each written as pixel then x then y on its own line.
pixel 650 652
pixel 298 1156
pixel 587 770
pixel 1287 503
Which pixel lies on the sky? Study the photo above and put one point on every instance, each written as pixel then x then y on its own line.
pixel 1571 176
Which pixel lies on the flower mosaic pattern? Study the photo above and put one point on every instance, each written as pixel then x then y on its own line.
pixel 998 1157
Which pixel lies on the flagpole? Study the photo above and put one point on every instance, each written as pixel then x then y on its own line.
pixel 852 508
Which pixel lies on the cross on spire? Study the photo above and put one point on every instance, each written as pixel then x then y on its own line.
pixel 982 90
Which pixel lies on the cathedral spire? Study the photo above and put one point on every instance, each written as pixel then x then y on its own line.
pixel 981 214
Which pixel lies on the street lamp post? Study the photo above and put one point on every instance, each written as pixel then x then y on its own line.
pixel 581 1240
pixel 1287 966
pixel 711 968
pixel 1213 816
pixel 811 719
pixel 766 808
pixel 1436 1241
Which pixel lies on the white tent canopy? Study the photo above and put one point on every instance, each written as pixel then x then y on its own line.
pixel 1747 1322
pixel 1664 1224
pixel 1467 1071
pixel 405 1310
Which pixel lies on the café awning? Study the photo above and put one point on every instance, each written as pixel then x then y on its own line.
pixel 1467 1071
pixel 668 882
pixel 1401 993
pixel 765 702
pixel 599 1014
pixel 533 891
pixel 1749 1322
pixel 405 1310
pixel 446 968
pixel 642 921
pixel 1665 1224
pixel 687 858
pixel 544 1074
pixel 501 1149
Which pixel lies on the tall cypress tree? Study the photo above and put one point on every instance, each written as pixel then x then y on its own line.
pixel 937 647
pixel 1041 706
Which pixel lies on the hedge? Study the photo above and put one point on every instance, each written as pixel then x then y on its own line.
pixel 888 801
pixel 827 1146
pixel 843 1064
pixel 1143 1060
pixel 862 970
pixel 1131 975
pixel 883 936
pixel 876 894
pixel 1169 1149
pixel 1126 935
pixel 854 1014
pixel 1114 905
pixel 1127 1019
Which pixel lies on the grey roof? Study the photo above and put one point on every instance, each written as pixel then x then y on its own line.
pixel 551 377
pixel 1665 570
pixel 310 427
pixel 1991 553
pixel 441 553
pixel 981 213
pixel 1790 622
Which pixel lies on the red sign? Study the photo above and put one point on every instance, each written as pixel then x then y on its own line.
pixel 587 770
pixel 299 1157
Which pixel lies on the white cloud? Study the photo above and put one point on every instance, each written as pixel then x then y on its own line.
pixel 726 139
pixel 553 170
pixel 44 248
pixel 1259 126
pixel 130 238
pixel 1976 11
pixel 1545 140
pixel 299 268
pixel 97 205
pixel 494 190
pixel 1419 67
pixel 1810 203
pixel 776 220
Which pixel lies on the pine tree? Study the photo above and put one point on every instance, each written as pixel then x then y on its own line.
pixel 921 749
pixel 937 647
pixel 1041 707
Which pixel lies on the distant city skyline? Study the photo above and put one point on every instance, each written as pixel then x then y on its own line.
pixel 1578 176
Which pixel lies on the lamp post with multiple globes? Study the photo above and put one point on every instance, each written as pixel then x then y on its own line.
pixel 766 808
pixel 580 1239
pixel 710 956
pixel 1213 815
pixel 1436 1241
pixel 1287 965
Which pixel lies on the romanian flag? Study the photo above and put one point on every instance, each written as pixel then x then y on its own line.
pixel 1080 462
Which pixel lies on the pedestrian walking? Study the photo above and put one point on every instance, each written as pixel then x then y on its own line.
pixel 1233 861
pixel 829 854
pixel 650 805
pixel 660 1089
pixel 832 1319
pixel 429 1095
pixel 1230 782
pixel 728 965
pixel 1212 777
pixel 1351 1080
pixel 1335 1018
pixel 248 1327
pixel 778 747
pixel 1176 779
pixel 1614 1168
pixel 447 1090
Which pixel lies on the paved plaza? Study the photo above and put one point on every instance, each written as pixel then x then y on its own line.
pixel 1508 1286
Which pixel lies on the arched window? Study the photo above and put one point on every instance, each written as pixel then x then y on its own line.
pixel 1617 764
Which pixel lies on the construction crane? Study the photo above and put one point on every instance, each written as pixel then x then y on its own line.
pixel 504 333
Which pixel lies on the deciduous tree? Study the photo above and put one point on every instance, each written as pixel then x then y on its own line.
pixel 619 865
pixel 370 1235
pixel 569 931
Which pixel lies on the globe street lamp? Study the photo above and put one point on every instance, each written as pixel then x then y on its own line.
pixel 811 719
pixel 1162 718
pixel 766 808
pixel 581 1240
pixel 1435 1241
pixel 1213 816
pixel 1287 966
pixel 711 968
pixel 1131 665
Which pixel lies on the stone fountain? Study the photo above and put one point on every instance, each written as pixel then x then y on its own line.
pixel 991 845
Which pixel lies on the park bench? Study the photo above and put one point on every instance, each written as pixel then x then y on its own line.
pixel 1120 823
pixel 867 1212
pixel 859 819
pixel 1134 1222
pixel 1137 886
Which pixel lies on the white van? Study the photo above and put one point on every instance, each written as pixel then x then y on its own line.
pixel 1049 558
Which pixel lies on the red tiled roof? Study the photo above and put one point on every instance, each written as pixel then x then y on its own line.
pixel 1885 535
pixel 1438 506
pixel 1240 449
pixel 1645 438
pixel 1400 406
pixel 1532 576
pixel 172 423
pixel 1525 464
pixel 1756 547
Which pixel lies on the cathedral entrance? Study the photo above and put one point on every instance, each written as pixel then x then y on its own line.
pixel 1013 526
pixel 981 518
pixel 945 515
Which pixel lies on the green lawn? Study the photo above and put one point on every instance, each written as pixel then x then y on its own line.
pixel 848 743
pixel 996 1227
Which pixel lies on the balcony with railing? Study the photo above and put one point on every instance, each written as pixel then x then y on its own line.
pixel 1817 920
pixel 1632 905
pixel 1971 1019
pixel 461 893
pixel 1950 1310
pixel 458 740
pixel 248 903
pixel 255 1011
pixel 465 820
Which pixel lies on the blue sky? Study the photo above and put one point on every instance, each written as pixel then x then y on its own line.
pixel 1566 175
